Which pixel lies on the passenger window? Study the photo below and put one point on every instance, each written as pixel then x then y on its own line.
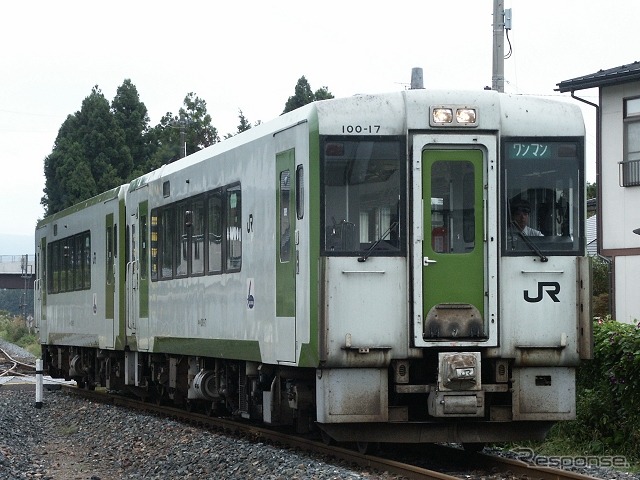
pixel 214 241
pixel 182 253
pixel 285 212
pixel 166 244
pixel 300 192
pixel 154 245
pixel 143 246
pixel 452 207
pixel 197 237
pixel 234 229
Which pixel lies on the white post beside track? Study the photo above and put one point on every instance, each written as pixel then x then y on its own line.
pixel 39 373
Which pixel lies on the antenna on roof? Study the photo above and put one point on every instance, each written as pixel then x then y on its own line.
pixel 417 80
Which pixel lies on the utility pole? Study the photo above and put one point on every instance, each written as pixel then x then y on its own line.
pixel 497 81
pixel 182 124
pixel 26 275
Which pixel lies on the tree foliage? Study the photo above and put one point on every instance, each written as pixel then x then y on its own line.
pixel 90 155
pixel 243 125
pixel 185 133
pixel 132 116
pixel 304 95
pixel 104 145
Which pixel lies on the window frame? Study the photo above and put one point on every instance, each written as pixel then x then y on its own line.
pixel 525 251
pixel 68 263
pixel 401 250
pixel 629 168
pixel 178 213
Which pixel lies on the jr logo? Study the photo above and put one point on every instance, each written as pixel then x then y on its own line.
pixel 552 289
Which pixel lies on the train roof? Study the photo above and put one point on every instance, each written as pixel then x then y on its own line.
pixel 407 110
pixel 104 197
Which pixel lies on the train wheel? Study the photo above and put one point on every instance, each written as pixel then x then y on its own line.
pixel 158 395
pixel 473 447
pixel 326 438
pixel 367 447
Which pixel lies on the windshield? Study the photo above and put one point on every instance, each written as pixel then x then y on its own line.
pixel 543 188
pixel 362 196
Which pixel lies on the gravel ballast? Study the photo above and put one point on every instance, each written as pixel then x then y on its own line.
pixel 71 438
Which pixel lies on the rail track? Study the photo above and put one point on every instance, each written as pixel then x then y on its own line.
pixel 415 463
pixel 14 366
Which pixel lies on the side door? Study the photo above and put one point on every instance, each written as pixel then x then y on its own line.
pixel 110 280
pixel 286 256
pixel 137 280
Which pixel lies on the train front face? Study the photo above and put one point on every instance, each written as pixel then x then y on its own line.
pixel 465 302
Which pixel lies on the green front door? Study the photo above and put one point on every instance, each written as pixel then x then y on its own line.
pixel 453 247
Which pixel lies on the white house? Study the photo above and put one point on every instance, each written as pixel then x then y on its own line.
pixel 618 178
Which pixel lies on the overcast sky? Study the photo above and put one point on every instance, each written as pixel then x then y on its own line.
pixel 249 55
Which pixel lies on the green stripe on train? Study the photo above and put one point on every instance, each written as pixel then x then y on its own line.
pixel 217 348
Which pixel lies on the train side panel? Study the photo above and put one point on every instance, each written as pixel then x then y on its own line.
pixel 252 302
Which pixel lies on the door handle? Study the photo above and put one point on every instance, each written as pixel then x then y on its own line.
pixel 426 261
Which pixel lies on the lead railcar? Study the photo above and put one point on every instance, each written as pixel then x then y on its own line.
pixel 354 264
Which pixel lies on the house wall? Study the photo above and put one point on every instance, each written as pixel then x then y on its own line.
pixel 620 207
pixel 627 283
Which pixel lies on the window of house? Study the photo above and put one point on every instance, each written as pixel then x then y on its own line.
pixel 630 165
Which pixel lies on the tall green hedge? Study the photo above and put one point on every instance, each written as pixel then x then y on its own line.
pixel 608 394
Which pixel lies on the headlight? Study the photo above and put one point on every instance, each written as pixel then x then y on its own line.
pixel 466 115
pixel 442 115
pixel 453 116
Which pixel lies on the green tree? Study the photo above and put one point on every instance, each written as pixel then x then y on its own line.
pixel 132 116
pixel 103 142
pixel 89 156
pixel 192 128
pixel 244 124
pixel 322 94
pixel 304 95
pixel 103 146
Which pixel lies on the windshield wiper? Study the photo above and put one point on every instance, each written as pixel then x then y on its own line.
pixel 377 242
pixel 533 247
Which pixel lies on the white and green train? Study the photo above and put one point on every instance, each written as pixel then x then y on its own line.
pixel 359 265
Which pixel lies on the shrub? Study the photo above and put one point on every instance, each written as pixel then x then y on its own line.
pixel 608 395
pixel 14 330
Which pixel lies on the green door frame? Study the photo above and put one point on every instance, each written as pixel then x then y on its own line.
pixel 285 235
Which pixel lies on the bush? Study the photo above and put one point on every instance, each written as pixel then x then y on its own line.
pixel 14 330
pixel 608 395
pixel 600 306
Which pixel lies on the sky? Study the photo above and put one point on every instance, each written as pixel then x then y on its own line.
pixel 249 55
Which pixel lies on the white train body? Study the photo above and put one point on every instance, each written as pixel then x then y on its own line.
pixel 353 263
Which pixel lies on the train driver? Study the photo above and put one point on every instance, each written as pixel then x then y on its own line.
pixel 520 210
